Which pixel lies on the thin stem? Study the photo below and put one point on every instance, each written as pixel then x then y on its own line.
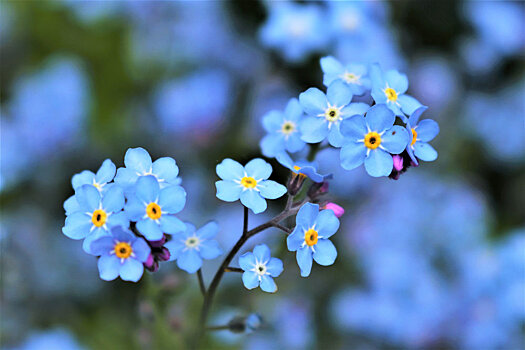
pixel 233 269
pixel 201 282
pixel 218 328
pixel 245 224
pixel 283 228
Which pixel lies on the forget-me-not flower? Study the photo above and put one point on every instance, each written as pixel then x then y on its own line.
pixel 259 268
pixel 420 133
pixel 303 167
pixel 310 237
pixel 121 254
pixel 283 130
pixel 153 208
pixel 372 140
pixel 326 112
pixel 248 183
pixel 191 246
pixel 355 76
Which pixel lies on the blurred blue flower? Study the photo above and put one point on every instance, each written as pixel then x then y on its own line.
pixel 355 76
pixel 420 133
pixel 97 213
pixel 253 322
pixel 283 130
pixel 57 338
pixel 304 167
pixel 326 112
pixel 371 140
pixel 121 254
pixel 191 246
pixel 259 268
pixel 153 208
pixel 248 183
pixel 310 237
pixel 297 30
pixel 390 88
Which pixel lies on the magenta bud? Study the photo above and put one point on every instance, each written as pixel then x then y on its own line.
pixel 158 244
pixel 324 187
pixel 149 261
pixel 337 209
pixel 164 254
pixel 398 162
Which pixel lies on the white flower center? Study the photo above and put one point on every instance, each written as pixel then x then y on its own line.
pixel 260 269
pixel 192 242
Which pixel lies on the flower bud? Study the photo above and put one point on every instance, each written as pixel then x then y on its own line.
pixel 163 254
pixel 246 324
pixel 398 162
pixel 158 244
pixel 317 189
pixel 295 183
pixel 337 209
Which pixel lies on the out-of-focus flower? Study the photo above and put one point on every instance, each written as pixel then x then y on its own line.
pixel 50 339
pixel 248 183
pixel 247 324
pixel 310 237
pixel 422 132
pixel 153 208
pixel 283 130
pixel 259 268
pixel 371 140
pixel 122 254
pixel 326 112
pixel 303 167
pixel 192 245
pixel 355 76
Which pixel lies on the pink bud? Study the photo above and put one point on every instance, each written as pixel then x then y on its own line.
pixel 149 261
pixel 398 162
pixel 158 244
pixel 337 209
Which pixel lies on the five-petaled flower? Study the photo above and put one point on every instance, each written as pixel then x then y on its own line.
pixel 310 237
pixel 259 268
pixel 191 246
pixel 153 208
pixel 372 140
pixel 121 254
pixel 302 167
pixel 326 112
pixel 421 132
pixel 355 76
pixel 248 183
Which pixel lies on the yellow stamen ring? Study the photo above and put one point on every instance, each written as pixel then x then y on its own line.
pixel 123 250
pixel 310 237
pixel 248 182
pixel 99 217
pixel 153 211
pixel 391 94
pixel 414 137
pixel 372 140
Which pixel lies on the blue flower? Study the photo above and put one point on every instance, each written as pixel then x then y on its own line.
pixel 138 163
pixel 96 214
pixel 191 246
pixel 390 88
pixel 371 140
pixel 310 237
pixel 153 208
pixel 259 268
pixel 326 112
pixel 301 167
pixel 422 132
pixel 355 76
pixel 248 183
pixel 122 254
pixel 283 130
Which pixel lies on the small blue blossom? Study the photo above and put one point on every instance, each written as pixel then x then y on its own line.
pixel 326 112
pixel 301 167
pixel 421 133
pixel 372 140
pixel 355 76
pixel 310 237
pixel 138 163
pixel 390 88
pixel 153 208
pixel 191 246
pixel 248 183
pixel 259 268
pixel 95 215
pixel 122 254
pixel 253 322
pixel 283 130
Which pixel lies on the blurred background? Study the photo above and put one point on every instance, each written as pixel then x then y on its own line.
pixel 435 260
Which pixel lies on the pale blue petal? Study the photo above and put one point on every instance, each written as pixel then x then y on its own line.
pixel 113 199
pixel 118 219
pixel 335 138
pixel 84 178
pixel 272 121
pixel 172 199
pixel 208 231
pixel 95 235
pixel 229 169
pixel 295 240
pixel 247 261
pixel 379 118
pixel 166 168
pixel 397 110
pixel 138 159
pixel 268 285
pixel 285 160
pixel 88 198
pixel 313 101
pixel 408 104
pixel 147 188
pixel 71 205
pixel 307 215
pixel 250 279
pixel 352 155
pixel 426 130
pixel 150 229
pixel 189 261
pixel 122 234
pixel 258 169
pixel 175 246
pixel 131 270
pixel 325 252
pixel 425 152
pixel 274 267
pixel 170 224
pixel 376 76
pixel 304 260
pixel 414 117
pixel 210 249
pixel 294 143
pixel 108 267
pixel 354 108
pixel 106 172
pixel 134 208
pixel 339 94
pixel 330 65
pixel 102 246
pixel 253 200
pixel 262 253
pixel 314 129
pixel 141 249
pixel 272 144
pixel 271 189
pixel 379 163
pixel 126 177
pixel 228 191
pixel 397 81
pixel 293 110
pixel 395 140
pixel 78 225
pixel 327 223
pixel 354 128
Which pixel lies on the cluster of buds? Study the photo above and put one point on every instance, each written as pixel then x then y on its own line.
pixel 158 253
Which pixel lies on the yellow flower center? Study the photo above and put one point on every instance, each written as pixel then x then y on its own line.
pixel 123 250
pixel 372 140
pixel 248 182
pixel 331 114
pixel 350 78
pixel 99 217
pixel 414 137
pixel 391 94
pixel 153 210
pixel 288 128
pixel 310 237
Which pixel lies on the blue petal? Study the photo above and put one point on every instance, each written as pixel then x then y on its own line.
pixel 352 155
pixel 268 285
pixel 147 188
pixel 210 249
pixel 229 169
pixel 172 199
pixel 71 205
pixel 295 240
pixel 134 208
pixel 102 246
pixel 274 267
pixel 272 121
pixel 122 234
pixel 113 199
pixel 271 189
pixel 285 160
pixel 379 163
pixel 228 191
pixel 397 110
pixel 426 130
pixel 189 261
pixel 307 215
pixel 166 168
pixel 253 200
pixel 95 235
pixel 141 249
pixel 108 267
pixel 78 225
pixel 293 110
pixel 304 260
pixel 339 94
pixel 106 172
pixel 397 81
pixel 313 101
pixel 118 219
pixel 170 224
pixel 138 159
pixel 335 138
pixel 88 198
pixel 395 140
pixel 84 178
pixel 258 169
pixel 355 108
pixel 330 65
pixel 175 246
pixel 325 252
pixel 414 117
pixel 250 279
pixel 314 129
pixel 379 118
pixel 247 261
pixel 262 253
pixel 294 143
pixel 126 177
pixel 272 144
pixel 131 270
pixel 408 104
pixel 327 223
pixel 425 152
pixel 150 229
pixel 354 128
